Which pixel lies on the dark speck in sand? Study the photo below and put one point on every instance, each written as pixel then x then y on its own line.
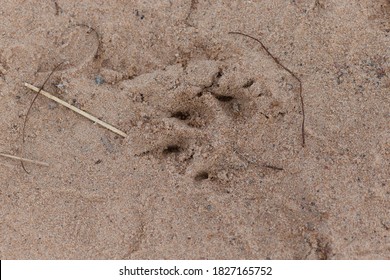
pixel 99 80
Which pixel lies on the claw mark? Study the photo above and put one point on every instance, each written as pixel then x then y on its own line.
pixel 181 115
pixel 172 149
pixel 224 98
pixel 202 176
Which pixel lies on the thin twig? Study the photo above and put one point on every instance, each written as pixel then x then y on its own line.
pixel 273 167
pixel 24 159
pixel 28 112
pixel 290 72
pixel 77 110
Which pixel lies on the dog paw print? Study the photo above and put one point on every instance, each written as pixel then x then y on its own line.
pixel 190 119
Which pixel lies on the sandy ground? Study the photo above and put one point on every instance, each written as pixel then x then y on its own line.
pixel 213 166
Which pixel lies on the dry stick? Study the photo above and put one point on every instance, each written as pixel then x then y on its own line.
pixel 28 112
pixel 24 159
pixel 75 109
pixel 290 72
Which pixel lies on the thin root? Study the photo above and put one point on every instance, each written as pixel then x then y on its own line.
pixel 290 72
pixel 28 112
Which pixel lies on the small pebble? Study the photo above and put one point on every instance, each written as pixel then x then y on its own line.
pixel 99 80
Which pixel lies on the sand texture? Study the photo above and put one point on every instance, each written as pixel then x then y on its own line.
pixel 213 165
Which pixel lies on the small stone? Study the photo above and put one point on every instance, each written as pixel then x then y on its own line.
pixel 60 86
pixel 99 80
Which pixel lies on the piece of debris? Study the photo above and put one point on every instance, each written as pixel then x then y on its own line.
pixel 75 109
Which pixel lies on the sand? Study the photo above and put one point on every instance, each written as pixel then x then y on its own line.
pixel 213 165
